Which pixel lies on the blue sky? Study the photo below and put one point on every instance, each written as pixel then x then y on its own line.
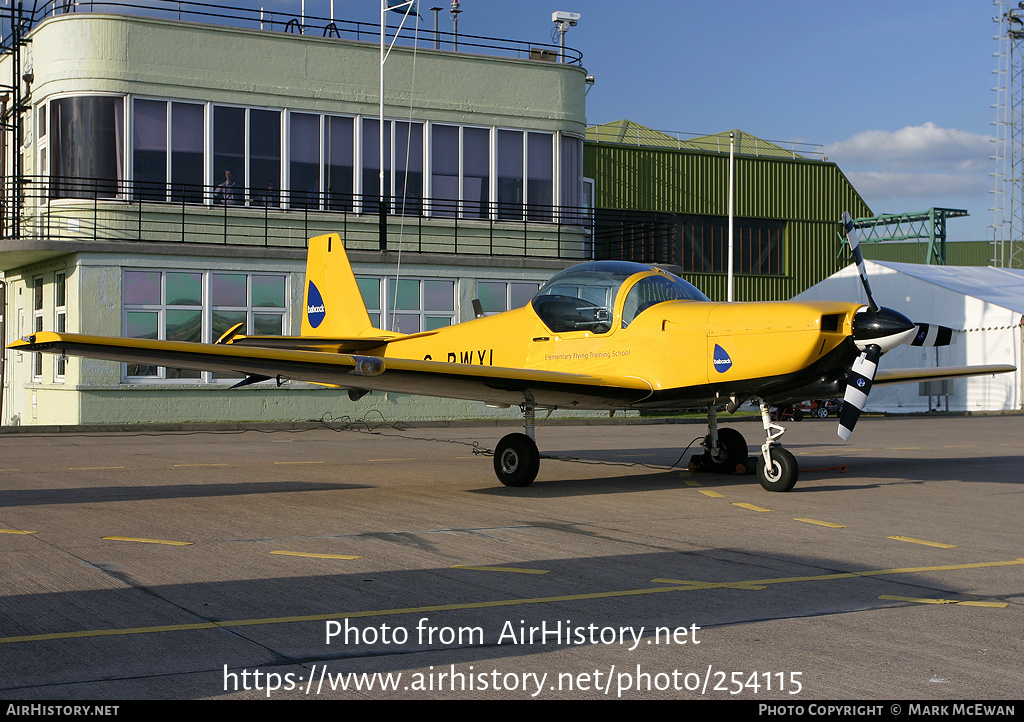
pixel 897 93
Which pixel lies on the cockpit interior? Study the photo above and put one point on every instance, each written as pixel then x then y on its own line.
pixel 582 297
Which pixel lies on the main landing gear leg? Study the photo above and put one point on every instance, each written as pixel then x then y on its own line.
pixel 777 469
pixel 516 458
pixel 724 448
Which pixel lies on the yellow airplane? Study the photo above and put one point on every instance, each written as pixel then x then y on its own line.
pixel 601 335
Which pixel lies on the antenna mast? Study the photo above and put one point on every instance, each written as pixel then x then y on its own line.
pixel 1008 204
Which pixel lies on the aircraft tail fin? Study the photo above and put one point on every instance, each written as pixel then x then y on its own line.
pixel 334 307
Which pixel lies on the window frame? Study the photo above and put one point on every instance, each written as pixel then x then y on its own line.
pixel 760 245
pixel 60 321
pixel 388 315
pixel 207 313
pixel 538 180
pixel 106 188
pixel 38 304
pixel 506 293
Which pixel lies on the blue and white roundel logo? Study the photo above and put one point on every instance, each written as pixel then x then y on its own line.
pixel 315 310
pixel 722 360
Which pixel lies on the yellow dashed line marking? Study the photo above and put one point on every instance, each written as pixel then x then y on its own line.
pixel 690 585
pixel 300 462
pixel 412 459
pixel 689 482
pixel 829 524
pixel 15 531
pixel 92 468
pixel 318 556
pixel 912 540
pixel 201 464
pixel 712 494
pixel 149 541
pixel 752 507
pixel 922 600
pixel 903 448
pixel 517 570
pixel 671 586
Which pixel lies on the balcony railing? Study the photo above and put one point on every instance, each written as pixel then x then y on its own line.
pixel 88 210
pixel 85 210
pixel 289 22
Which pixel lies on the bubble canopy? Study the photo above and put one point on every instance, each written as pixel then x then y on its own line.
pixel 582 297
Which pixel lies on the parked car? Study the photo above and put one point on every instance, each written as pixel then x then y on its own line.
pixel 821 408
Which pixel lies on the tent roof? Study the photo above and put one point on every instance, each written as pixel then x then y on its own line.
pixel 1000 286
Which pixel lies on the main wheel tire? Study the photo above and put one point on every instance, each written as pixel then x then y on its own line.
pixel 783 473
pixel 516 460
pixel 732 450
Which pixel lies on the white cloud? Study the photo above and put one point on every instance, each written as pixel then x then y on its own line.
pixel 929 186
pixel 919 147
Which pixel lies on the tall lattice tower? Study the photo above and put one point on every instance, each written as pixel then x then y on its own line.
pixel 1008 202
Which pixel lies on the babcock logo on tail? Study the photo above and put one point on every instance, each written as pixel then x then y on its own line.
pixel 315 310
pixel 722 360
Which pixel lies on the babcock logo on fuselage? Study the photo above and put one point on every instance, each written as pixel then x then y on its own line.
pixel 315 309
pixel 722 360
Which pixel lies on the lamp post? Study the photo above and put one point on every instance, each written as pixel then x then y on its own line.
pixel 732 161
pixel 454 12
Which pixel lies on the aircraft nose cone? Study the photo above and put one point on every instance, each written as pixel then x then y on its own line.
pixel 885 328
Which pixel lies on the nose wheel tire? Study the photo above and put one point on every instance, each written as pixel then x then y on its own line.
pixel 516 460
pixel 782 474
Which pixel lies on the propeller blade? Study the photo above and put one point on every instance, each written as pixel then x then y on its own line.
pixel 858 385
pixel 853 238
pixel 930 334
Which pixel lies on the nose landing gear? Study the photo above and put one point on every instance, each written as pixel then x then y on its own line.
pixel 777 468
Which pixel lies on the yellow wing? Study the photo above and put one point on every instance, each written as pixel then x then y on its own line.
pixel 347 370
pixel 902 376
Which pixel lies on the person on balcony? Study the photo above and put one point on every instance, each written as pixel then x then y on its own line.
pixel 228 192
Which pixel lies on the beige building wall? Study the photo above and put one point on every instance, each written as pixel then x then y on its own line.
pixel 134 57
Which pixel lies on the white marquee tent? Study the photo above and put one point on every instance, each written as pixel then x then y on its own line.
pixel 984 304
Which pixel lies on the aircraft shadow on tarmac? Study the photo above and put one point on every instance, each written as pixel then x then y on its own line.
pixel 121 493
pixel 819 473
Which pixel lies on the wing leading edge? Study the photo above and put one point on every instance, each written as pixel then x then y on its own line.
pixel 427 378
pixel 902 376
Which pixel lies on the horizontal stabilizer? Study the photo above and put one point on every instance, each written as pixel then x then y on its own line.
pixel 316 343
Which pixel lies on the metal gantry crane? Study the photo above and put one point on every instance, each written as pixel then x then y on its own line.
pixel 928 228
